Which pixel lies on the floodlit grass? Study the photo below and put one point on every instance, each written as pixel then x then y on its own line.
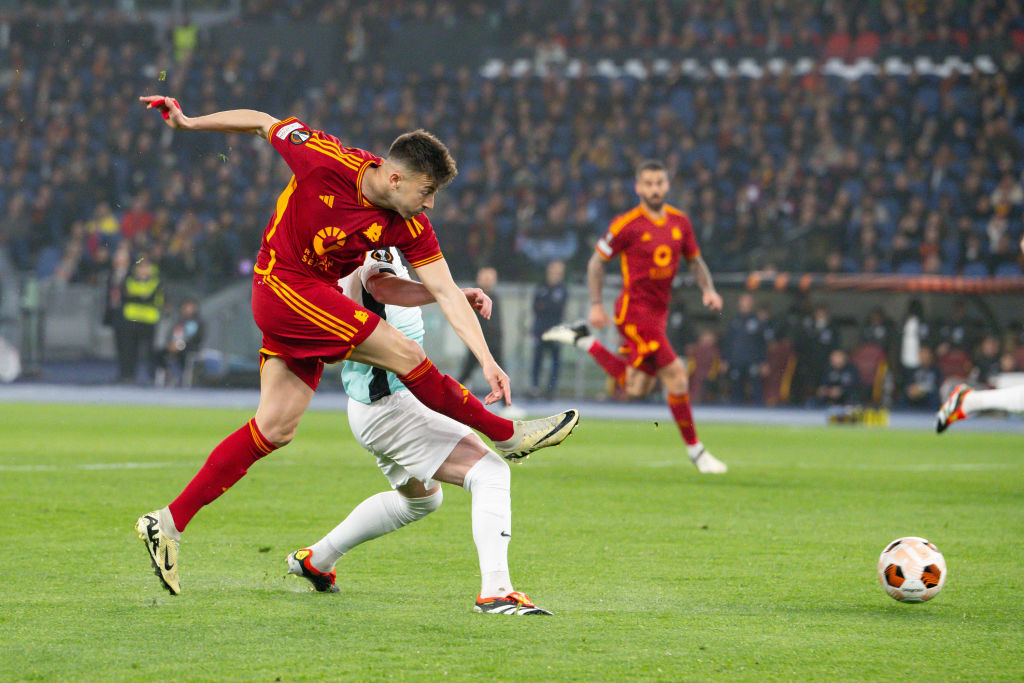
pixel 654 572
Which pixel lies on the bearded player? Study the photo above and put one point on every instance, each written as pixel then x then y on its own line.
pixel 340 203
pixel 649 240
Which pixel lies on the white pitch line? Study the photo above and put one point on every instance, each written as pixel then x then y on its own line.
pixel 86 466
pixel 99 466
pixel 924 467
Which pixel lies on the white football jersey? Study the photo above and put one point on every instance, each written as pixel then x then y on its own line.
pixel 365 383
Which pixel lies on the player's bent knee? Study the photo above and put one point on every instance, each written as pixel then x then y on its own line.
pixel 418 508
pixel 491 472
pixel 635 392
pixel 279 437
pixel 409 353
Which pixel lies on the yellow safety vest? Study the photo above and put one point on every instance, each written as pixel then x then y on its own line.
pixel 143 300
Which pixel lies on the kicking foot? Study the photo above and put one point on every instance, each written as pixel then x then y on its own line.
pixel 707 463
pixel 514 604
pixel 300 564
pixel 532 435
pixel 163 551
pixel 574 334
pixel 953 409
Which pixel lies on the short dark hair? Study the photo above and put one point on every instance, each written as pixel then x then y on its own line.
pixel 650 165
pixel 422 152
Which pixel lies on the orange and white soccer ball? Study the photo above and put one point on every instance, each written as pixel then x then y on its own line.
pixel 912 569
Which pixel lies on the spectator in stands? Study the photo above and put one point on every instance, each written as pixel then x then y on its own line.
pixel 922 389
pixel 987 362
pixel 113 313
pixel 549 300
pixel 878 329
pixel 14 232
pixel 959 332
pixel 915 334
pixel 705 362
pixel 136 222
pixel 840 383
pixel 178 344
pixel 744 353
pixel 816 338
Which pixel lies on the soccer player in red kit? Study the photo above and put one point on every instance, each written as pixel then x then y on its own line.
pixel 340 203
pixel 650 241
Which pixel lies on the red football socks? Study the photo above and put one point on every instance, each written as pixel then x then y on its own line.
pixel 610 362
pixel 228 463
pixel 679 404
pixel 444 395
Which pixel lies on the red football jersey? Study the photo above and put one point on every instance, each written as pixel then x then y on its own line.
pixel 650 250
pixel 323 225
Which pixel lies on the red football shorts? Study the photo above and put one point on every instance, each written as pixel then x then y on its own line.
pixel 306 323
pixel 644 342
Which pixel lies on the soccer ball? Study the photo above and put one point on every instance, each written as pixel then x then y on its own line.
pixel 911 569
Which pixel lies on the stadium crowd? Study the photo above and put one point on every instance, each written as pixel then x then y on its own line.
pixel 886 173
pixel 847 29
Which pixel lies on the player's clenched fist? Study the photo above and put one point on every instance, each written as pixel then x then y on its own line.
pixel 597 317
pixel 712 300
pixel 168 108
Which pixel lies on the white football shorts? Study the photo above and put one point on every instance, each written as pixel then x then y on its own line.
pixel 409 440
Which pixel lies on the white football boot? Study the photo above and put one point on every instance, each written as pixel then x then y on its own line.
pixel 531 435
pixel 163 551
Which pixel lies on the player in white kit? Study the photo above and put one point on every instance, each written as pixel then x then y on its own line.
pixel 415 449
pixel 964 401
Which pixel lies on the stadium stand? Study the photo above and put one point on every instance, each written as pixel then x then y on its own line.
pixel 907 170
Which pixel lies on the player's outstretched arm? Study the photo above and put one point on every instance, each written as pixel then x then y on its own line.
pixel 595 283
pixel 232 121
pixel 702 276
pixel 398 291
pixel 438 279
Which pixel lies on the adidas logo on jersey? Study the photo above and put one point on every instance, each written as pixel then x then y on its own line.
pixel 327 199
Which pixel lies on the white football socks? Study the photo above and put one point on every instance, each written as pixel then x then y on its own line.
pixel 490 483
pixel 167 527
pixel 1011 399
pixel 377 515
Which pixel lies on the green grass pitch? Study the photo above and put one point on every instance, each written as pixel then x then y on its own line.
pixel 654 571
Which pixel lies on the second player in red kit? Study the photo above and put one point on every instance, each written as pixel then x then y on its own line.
pixel 650 241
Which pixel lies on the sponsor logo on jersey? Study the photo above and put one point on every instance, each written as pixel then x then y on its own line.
pixel 328 239
pixel 328 199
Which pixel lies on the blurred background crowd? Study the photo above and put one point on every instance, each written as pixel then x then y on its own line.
pixel 896 171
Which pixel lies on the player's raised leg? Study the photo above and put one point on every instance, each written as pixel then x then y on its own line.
pixel 579 335
pixel 673 376
pixel 284 397
pixel 964 401
pixel 515 439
